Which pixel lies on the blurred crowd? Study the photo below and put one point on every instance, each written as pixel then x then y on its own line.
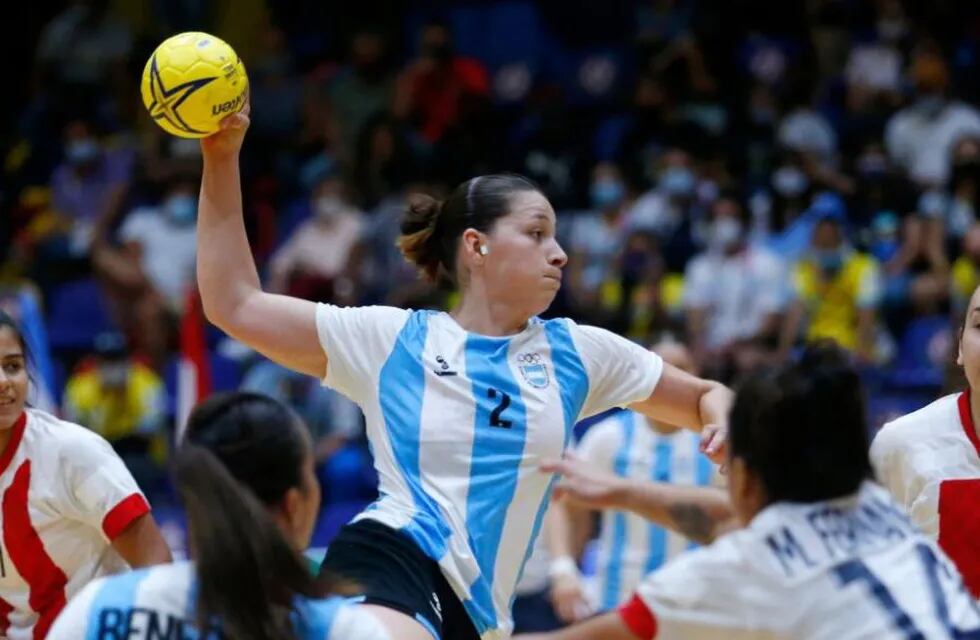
pixel 740 176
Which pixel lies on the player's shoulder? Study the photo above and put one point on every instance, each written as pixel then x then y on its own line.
pixel 933 419
pixel 52 434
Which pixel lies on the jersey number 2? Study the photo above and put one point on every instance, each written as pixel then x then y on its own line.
pixel 495 419
pixel 857 571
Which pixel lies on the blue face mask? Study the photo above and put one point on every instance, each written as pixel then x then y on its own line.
pixel 82 151
pixel 181 209
pixel 829 261
pixel 606 193
pixel 677 181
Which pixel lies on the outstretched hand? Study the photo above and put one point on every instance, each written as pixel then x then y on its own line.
pixel 227 141
pixel 584 484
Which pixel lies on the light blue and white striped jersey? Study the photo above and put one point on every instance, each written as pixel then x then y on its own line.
pixel 459 424
pixel 157 603
pixel 630 546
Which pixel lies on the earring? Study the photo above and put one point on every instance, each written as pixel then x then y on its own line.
pixel 484 249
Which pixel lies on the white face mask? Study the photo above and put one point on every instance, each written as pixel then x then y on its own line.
pixel 789 181
pixel 725 233
pixel 114 374
pixel 328 207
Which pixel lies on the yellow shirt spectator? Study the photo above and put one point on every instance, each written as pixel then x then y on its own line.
pixel 966 278
pixel 116 403
pixel 832 302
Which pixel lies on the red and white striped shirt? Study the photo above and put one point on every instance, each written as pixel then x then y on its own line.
pixel 930 462
pixel 64 496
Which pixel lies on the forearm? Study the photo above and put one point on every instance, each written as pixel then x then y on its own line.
pixel 698 513
pixel 866 332
pixel 226 272
pixel 715 403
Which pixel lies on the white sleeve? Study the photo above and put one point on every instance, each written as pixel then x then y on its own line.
pixel 869 288
pixel 99 490
pixel 133 227
pixel 356 623
pixel 600 443
pixel 704 594
pixel 620 372
pixel 357 342
pixel 72 622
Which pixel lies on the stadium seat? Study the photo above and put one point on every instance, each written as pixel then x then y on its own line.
pixel 922 354
pixel 77 312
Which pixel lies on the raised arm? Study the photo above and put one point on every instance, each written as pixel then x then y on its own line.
pixel 279 327
pixel 684 400
pixel 697 513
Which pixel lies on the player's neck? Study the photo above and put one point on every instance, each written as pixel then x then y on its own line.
pixel 5 436
pixel 486 318
pixel 663 429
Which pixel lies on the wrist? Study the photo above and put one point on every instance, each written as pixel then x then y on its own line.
pixel 562 567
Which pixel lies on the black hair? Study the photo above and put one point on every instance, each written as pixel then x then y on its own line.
pixel 801 427
pixel 430 229
pixel 7 321
pixel 241 454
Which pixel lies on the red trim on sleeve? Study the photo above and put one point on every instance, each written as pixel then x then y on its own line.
pixel 14 442
pixel 45 579
pixel 123 514
pixel 966 418
pixel 636 615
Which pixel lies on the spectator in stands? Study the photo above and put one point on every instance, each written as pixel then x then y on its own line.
pixel 734 295
pixel 435 89
pixel 920 138
pixel 836 292
pixel 342 462
pixel 966 270
pixel 123 401
pixel 597 237
pixel 665 209
pixel 320 260
pixel 361 90
pixel 964 187
pixel 150 273
pixel 91 182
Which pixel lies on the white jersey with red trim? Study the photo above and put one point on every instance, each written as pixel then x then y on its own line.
pixel 930 462
pixel 65 496
pixel 854 568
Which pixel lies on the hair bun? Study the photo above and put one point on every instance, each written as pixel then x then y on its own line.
pixel 419 240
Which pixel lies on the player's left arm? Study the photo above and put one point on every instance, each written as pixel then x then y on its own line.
pixel 694 403
pixel 609 626
pixel 141 544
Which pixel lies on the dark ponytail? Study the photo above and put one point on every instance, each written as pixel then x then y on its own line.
pixel 430 229
pixel 243 452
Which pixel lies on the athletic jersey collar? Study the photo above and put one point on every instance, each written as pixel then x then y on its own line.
pixel 966 419
pixel 531 323
pixel 17 432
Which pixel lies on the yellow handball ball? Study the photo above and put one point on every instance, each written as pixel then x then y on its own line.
pixel 191 82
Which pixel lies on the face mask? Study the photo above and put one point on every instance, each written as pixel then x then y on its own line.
pixel 677 181
pixel 328 207
pixel 181 209
pixel 725 233
pixel 113 374
pixel 606 193
pixel 789 182
pixel 82 151
pixel 829 261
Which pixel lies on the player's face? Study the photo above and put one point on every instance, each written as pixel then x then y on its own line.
pixel 308 505
pixel 524 263
pixel 969 353
pixel 13 378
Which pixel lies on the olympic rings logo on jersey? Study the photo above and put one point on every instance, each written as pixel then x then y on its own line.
pixel 533 370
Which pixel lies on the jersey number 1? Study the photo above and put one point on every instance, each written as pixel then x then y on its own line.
pixel 857 571
pixel 495 419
